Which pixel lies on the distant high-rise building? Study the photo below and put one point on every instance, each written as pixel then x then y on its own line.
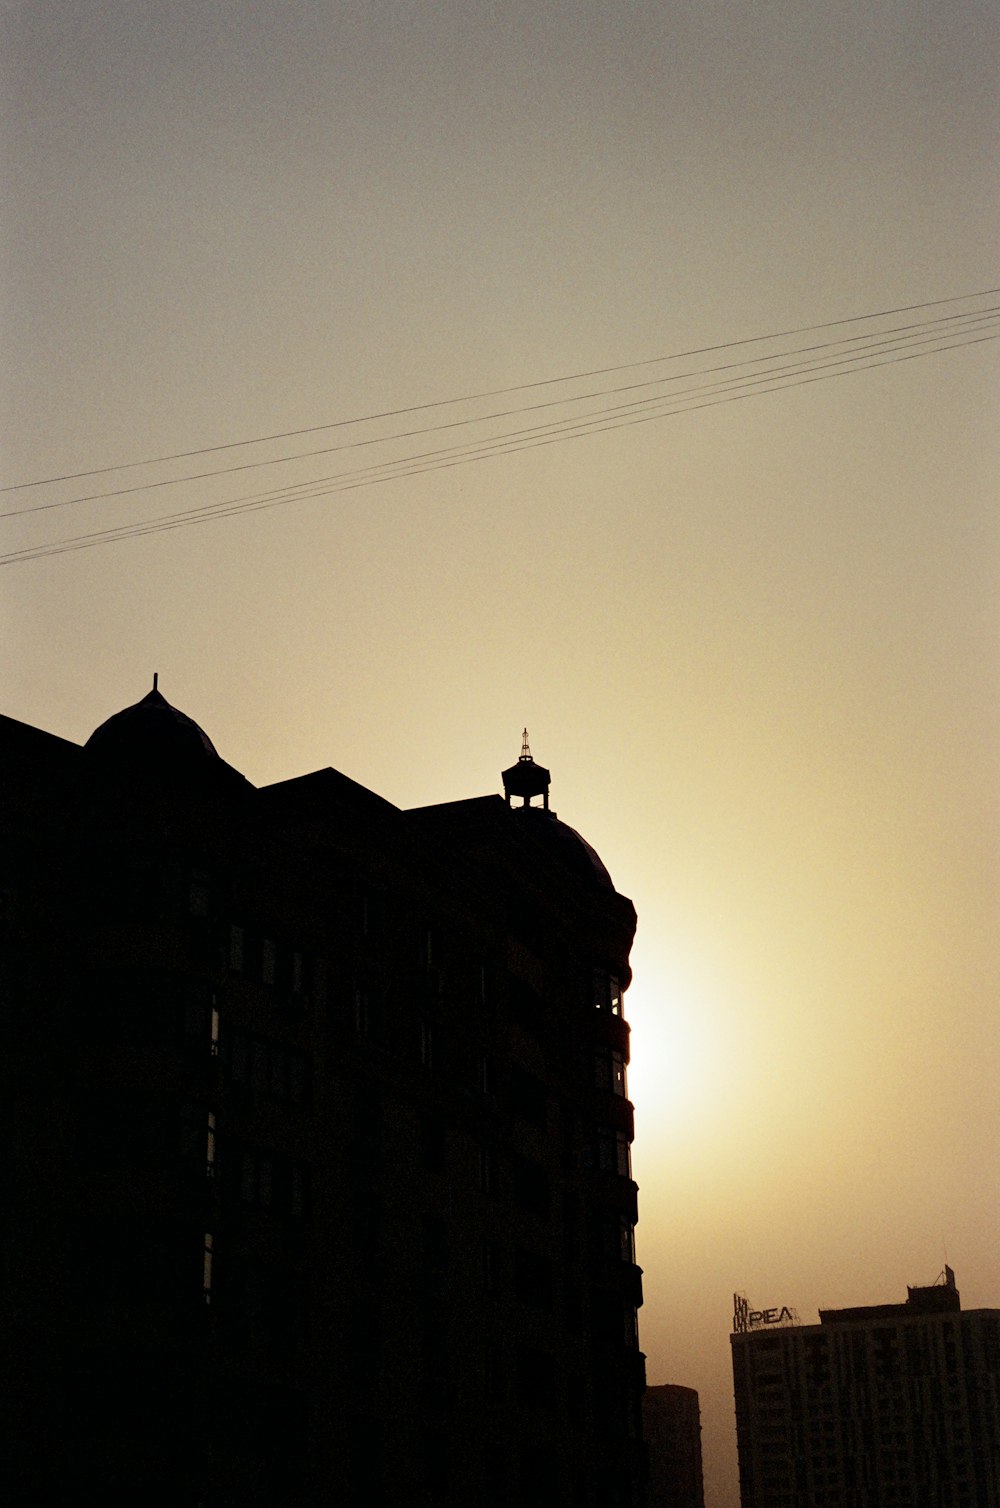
pixel 317 1183
pixel 885 1406
pixel 671 1425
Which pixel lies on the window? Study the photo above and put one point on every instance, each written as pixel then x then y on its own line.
pixel 360 1013
pixel 268 1181
pixel 570 1135
pixel 435 1254
pixel 607 992
pixel 268 960
pixel 613 1152
pixel 298 1191
pixel 199 892
pixel 373 914
pixel 609 1071
pixel 290 971
pixel 257 1179
pixel 189 1144
pixel 298 1077
pixel 618 1238
pixel 197 1143
pixel 268 1067
pixel 198 1019
pixel 237 1055
pixel 260 1064
pixel 618 1074
pixel 278 1075
pixel 206 1267
pixel 491 1266
pixel 368 1012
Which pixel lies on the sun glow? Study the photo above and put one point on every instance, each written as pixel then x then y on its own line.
pixel 674 1063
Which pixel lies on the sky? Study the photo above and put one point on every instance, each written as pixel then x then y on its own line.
pixel 756 641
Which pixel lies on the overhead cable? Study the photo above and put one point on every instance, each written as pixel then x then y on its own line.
pixel 551 433
pixel 499 392
pixel 966 320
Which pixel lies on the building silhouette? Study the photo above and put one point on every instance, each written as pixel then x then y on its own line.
pixel 885 1406
pixel 318 1186
pixel 671 1426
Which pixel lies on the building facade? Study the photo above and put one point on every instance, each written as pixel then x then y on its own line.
pixel 671 1427
pixel 320 1186
pixel 885 1406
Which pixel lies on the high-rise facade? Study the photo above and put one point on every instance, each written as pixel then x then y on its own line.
pixel 671 1427
pixel 319 1184
pixel 884 1406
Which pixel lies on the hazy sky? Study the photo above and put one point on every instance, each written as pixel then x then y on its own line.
pixel 757 643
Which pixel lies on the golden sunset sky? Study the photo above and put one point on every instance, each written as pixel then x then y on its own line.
pixel 757 642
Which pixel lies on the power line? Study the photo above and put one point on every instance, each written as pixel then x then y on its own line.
pixel 877 337
pixel 185 455
pixel 417 465
pixel 569 427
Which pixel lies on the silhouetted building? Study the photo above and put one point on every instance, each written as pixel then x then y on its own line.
pixel 886 1406
pixel 671 1427
pixel 318 1182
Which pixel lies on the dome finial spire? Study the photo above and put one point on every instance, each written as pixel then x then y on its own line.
pixel 155 679
pixel 526 778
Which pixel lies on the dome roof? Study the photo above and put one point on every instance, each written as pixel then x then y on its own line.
pixel 155 738
pixel 151 726
pixel 566 844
